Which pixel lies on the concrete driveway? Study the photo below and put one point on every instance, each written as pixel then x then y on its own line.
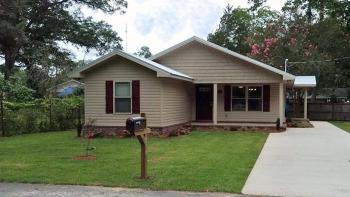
pixel 303 162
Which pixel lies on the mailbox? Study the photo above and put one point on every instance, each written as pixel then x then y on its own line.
pixel 135 124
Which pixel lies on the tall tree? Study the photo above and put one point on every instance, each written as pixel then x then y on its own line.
pixel 144 52
pixel 256 4
pixel 237 25
pixel 233 29
pixel 306 31
pixel 33 33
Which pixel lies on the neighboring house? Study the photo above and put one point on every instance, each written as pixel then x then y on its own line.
pixel 67 88
pixel 194 82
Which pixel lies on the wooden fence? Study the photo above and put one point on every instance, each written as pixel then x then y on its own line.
pixel 320 111
pixel 329 111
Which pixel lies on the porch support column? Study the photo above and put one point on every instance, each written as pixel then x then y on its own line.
pixel 281 103
pixel 215 103
pixel 305 103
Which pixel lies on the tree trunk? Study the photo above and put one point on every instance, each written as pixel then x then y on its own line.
pixel 32 83
pixel 321 10
pixel 10 59
pixel 79 126
pixel 2 114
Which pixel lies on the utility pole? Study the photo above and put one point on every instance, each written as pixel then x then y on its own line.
pixel 285 65
pixel 126 37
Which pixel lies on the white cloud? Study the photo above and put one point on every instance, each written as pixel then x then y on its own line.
pixel 160 24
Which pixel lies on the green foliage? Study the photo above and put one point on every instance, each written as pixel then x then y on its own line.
pixel 14 90
pixel 144 52
pixel 238 25
pixel 41 115
pixel 33 35
pixel 201 161
pixel 234 27
pixel 256 4
pixel 306 31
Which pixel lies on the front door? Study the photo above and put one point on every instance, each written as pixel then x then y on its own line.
pixel 204 102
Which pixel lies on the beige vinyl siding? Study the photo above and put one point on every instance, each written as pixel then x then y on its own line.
pixel 119 69
pixel 207 65
pixel 177 102
pixel 250 116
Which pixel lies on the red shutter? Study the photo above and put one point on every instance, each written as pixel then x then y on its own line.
pixel 135 96
pixel 266 99
pixel 227 96
pixel 109 97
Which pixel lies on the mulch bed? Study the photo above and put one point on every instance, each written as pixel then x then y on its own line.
pixel 240 129
pixel 299 123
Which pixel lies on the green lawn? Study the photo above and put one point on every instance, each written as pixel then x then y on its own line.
pixel 201 161
pixel 345 125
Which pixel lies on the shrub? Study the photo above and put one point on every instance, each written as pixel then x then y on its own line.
pixel 41 115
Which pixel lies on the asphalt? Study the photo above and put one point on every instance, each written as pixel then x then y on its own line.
pixel 41 190
pixel 303 162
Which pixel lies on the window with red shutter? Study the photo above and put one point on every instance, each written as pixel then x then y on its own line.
pixel 109 97
pixel 266 98
pixel 227 98
pixel 135 96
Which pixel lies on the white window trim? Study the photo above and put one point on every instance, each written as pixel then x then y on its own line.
pixel 246 97
pixel 130 96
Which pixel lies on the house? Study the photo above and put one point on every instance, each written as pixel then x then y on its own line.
pixel 67 88
pixel 195 82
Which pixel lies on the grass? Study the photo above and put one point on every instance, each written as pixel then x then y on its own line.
pixel 345 125
pixel 201 161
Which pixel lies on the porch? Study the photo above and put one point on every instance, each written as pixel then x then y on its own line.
pixel 243 104
pixel 246 104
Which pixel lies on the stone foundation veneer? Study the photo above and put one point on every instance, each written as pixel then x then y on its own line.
pixel 112 131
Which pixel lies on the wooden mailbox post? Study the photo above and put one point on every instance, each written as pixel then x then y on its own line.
pixel 137 126
pixel 142 137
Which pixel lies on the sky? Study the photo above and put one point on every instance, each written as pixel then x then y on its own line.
pixel 159 24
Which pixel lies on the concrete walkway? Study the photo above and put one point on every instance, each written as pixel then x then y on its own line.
pixel 303 162
pixel 41 190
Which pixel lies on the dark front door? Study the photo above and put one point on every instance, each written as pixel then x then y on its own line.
pixel 204 102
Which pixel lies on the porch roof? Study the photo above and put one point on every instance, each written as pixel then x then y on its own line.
pixel 305 81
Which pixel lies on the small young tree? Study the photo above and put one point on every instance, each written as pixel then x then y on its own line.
pixel 89 134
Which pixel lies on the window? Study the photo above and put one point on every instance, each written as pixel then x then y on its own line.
pixel 122 97
pixel 254 98
pixel 238 98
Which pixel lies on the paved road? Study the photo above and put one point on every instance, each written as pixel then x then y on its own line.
pixel 303 162
pixel 40 190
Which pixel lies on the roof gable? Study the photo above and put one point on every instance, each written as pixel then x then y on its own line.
pixel 286 76
pixel 162 71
